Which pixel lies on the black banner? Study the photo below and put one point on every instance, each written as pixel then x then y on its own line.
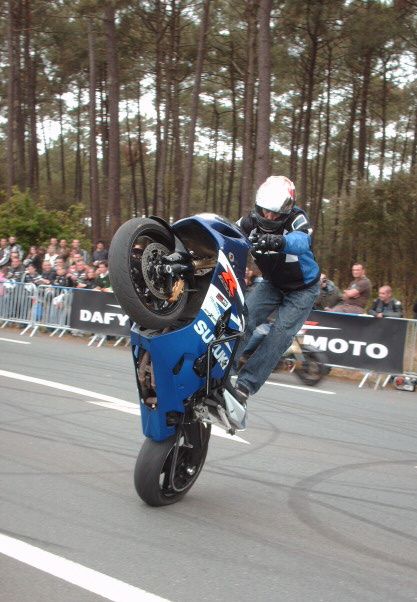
pixel 362 342
pixel 97 312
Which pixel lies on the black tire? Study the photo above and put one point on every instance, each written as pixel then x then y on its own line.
pixel 313 368
pixel 154 462
pixel 127 279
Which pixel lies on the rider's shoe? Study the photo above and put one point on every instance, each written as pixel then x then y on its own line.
pixel 235 399
pixel 241 393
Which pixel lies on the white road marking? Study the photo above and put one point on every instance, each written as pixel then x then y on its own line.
pixel 309 389
pixel 72 572
pixel 107 401
pixel 15 341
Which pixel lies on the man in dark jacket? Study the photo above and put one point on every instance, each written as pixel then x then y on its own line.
pixel 329 295
pixel 282 251
pixel 386 306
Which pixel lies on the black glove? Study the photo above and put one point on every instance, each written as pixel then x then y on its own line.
pixel 270 242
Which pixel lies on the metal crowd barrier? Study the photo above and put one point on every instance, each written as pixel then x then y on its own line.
pixel 34 306
pixel 48 306
pixel 45 306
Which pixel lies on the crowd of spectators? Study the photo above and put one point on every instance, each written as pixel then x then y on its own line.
pixel 355 299
pixel 57 264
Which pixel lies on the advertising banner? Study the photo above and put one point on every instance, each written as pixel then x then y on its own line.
pixel 98 312
pixel 362 342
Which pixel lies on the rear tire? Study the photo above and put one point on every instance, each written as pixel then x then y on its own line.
pixel 128 281
pixel 154 465
pixel 313 368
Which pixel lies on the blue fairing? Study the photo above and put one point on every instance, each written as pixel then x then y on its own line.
pixel 174 353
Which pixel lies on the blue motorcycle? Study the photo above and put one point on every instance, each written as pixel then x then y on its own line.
pixel 182 287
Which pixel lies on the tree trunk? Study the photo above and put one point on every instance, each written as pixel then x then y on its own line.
pixel 61 142
pixel 30 70
pixel 314 46
pixel 175 111
pixel 263 132
pixel 296 133
pixel 227 207
pixel 188 168
pixel 142 166
pixel 11 94
pixel 132 163
pixel 383 121
pixel 405 144
pixel 215 144
pixel 20 113
pixel 159 60
pixel 350 139
pixel 47 159
pixel 363 135
pixel 95 208
pixel 114 133
pixel 246 187
pixel 414 144
pixel 78 179
pixel 326 141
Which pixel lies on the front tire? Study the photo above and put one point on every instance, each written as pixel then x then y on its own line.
pixel 157 481
pixel 145 304
pixel 313 368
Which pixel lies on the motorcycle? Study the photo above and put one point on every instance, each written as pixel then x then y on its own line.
pixel 182 287
pixel 307 363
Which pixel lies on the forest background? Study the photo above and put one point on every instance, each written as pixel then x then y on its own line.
pixel 113 109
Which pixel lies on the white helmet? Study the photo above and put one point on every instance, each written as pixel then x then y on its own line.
pixel 276 194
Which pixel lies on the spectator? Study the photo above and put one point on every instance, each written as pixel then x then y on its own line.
pixel 356 296
pixel 89 281
pixel 76 248
pixel 51 255
pixel 63 250
pixel 103 278
pixel 33 257
pixel 74 256
pixel 386 306
pixel 15 247
pixel 100 253
pixel 54 242
pixel 77 272
pixel 48 274
pixel 329 295
pixel 16 270
pixel 60 262
pixel 4 252
pixel 62 277
pixel 31 275
pixel 3 279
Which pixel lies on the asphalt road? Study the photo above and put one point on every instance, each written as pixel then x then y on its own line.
pixel 321 505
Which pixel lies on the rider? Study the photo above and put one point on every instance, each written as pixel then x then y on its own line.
pixel 290 285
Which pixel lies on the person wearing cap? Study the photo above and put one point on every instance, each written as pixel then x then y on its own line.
pixel 281 236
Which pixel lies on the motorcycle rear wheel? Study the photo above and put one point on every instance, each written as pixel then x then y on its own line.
pixel 313 368
pixel 157 481
pixel 141 298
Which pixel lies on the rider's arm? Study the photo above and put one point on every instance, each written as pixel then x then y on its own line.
pixel 297 243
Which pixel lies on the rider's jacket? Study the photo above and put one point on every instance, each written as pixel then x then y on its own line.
pixel 295 267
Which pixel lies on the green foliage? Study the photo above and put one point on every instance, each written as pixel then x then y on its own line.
pixel 32 223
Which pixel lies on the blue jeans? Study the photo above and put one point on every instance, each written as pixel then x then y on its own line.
pixel 292 309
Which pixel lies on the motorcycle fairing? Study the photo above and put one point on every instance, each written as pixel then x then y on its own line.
pixel 174 354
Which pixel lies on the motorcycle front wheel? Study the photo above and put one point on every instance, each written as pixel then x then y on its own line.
pixel 136 253
pixel 313 368
pixel 166 470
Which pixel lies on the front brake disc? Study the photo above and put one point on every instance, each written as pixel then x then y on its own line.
pixel 151 260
